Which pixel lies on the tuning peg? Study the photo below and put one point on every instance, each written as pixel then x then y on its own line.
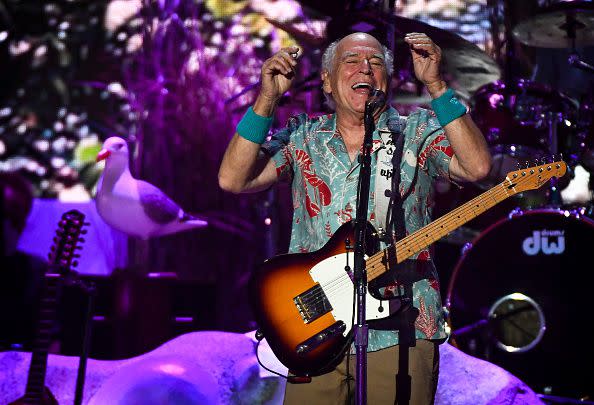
pixel 75 263
pixel 83 232
pixel 81 240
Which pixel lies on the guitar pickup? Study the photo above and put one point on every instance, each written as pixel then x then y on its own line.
pixel 312 304
pixel 316 340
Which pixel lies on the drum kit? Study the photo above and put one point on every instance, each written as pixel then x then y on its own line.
pixel 516 293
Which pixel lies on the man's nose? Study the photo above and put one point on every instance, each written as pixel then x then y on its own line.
pixel 366 66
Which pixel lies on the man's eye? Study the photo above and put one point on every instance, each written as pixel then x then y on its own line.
pixel 352 61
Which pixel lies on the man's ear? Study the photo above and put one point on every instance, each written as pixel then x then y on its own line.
pixel 326 85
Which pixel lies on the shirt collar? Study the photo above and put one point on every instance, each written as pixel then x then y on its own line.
pixel 387 121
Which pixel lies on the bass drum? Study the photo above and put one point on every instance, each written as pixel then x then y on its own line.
pixel 521 297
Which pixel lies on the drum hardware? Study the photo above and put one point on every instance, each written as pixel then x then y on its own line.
pixel 517 119
pixel 567 24
pixel 515 323
pixel 562 25
pixel 553 120
pixel 554 399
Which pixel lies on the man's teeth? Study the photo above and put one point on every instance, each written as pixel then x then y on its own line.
pixel 362 86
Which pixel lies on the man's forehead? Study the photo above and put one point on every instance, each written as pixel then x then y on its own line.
pixel 362 50
pixel 359 44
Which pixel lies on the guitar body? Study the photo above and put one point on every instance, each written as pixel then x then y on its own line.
pixel 275 287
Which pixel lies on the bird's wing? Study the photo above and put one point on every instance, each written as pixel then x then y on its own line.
pixel 156 204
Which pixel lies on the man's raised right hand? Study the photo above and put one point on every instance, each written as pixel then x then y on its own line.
pixel 278 73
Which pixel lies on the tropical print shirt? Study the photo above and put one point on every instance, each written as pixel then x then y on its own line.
pixel 311 154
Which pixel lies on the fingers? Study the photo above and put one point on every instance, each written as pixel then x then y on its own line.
pixel 283 61
pixel 421 43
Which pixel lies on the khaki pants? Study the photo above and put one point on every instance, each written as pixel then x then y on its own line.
pixel 333 388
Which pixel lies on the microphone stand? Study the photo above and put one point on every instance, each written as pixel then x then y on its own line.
pixel 360 276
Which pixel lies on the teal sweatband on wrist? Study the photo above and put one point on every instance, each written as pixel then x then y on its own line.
pixel 447 107
pixel 254 127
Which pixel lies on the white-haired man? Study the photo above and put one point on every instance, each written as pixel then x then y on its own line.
pixel 319 156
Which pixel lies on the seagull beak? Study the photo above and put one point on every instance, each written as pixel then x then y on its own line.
pixel 102 155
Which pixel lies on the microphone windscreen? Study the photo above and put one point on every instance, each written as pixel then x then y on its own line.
pixel 376 99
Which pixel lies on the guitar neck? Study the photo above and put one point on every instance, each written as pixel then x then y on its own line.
pixel 420 239
pixel 43 337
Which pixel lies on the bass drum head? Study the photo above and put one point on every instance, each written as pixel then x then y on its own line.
pixel 521 298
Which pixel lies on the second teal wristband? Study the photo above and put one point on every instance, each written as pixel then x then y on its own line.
pixel 254 127
pixel 447 107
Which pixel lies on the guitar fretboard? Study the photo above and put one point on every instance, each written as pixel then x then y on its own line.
pixel 44 335
pixel 529 178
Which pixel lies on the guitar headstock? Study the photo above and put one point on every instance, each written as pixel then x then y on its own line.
pixel 68 237
pixel 533 177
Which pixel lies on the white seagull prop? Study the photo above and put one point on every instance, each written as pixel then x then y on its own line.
pixel 133 206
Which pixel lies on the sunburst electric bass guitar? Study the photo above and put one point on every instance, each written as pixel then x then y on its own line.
pixel 303 302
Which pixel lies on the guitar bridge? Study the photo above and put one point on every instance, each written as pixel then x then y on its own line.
pixel 316 340
pixel 312 304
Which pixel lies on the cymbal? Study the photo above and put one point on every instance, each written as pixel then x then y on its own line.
pixel 465 66
pixel 555 26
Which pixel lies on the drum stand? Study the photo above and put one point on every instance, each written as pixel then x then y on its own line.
pixel 553 119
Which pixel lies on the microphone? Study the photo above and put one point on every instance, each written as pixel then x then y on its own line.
pixel 375 101
pixel 574 60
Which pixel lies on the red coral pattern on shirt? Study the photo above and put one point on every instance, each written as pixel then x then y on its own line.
pixel 434 146
pixel 426 320
pixel 328 229
pixel 286 163
pixel 321 191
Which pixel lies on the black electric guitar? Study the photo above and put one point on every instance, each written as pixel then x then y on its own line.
pixel 303 302
pixel 62 257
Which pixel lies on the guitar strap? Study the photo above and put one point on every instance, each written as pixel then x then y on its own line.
pixel 388 201
pixel 390 217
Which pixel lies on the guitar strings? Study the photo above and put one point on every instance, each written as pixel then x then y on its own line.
pixel 336 285
pixel 500 192
pixel 415 242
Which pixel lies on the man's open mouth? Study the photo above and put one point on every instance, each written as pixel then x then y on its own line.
pixel 362 87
